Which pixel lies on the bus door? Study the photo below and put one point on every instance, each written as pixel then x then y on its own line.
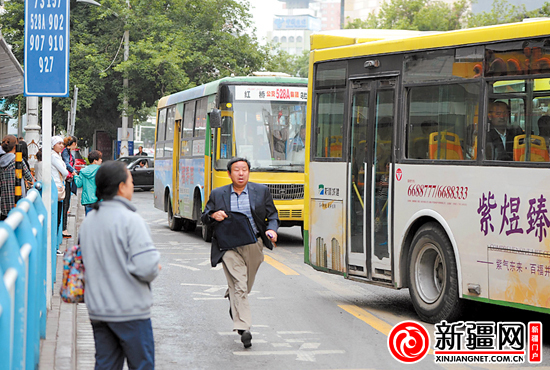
pixel 372 116
pixel 176 168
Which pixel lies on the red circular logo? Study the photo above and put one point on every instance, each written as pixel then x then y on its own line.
pixel 399 174
pixel 409 342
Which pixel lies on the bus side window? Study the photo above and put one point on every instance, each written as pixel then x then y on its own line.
pixel 329 123
pixel 442 121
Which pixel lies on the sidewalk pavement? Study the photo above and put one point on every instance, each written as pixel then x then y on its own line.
pixel 69 343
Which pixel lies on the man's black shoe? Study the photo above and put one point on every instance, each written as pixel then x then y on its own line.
pixel 246 338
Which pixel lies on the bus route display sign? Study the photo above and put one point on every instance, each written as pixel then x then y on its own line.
pixel 47 48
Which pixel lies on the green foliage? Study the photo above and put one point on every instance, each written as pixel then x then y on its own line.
pixel 281 61
pixel 501 12
pixel 426 15
pixel 174 45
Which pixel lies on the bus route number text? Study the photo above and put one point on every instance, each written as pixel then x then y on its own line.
pixel 438 191
pixel 40 23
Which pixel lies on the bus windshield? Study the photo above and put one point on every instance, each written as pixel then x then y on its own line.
pixel 269 131
pixel 271 135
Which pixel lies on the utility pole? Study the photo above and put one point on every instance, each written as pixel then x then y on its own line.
pixel 124 138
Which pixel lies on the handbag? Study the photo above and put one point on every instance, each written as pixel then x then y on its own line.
pixel 61 191
pixel 74 188
pixel 235 231
pixel 72 288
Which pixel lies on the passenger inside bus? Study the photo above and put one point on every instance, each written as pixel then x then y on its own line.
pixel 544 129
pixel 500 137
pixel 420 145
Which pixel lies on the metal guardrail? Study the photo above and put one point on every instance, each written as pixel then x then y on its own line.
pixel 23 273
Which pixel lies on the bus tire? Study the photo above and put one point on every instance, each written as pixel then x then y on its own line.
pixel 173 222
pixel 189 225
pixel 206 233
pixel 433 278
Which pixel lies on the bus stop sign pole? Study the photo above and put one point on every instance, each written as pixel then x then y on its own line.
pixel 47 76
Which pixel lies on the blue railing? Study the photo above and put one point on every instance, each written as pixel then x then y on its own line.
pixel 23 269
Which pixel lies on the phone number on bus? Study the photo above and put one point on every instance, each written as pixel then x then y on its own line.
pixel 438 191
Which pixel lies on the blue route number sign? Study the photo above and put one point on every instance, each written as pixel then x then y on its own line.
pixel 47 48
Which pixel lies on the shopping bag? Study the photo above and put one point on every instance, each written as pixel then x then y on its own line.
pixel 72 288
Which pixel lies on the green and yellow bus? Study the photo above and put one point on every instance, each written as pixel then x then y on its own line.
pixel 259 117
pixel 414 179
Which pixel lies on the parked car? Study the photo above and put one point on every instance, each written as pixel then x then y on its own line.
pixel 142 169
pixel 79 162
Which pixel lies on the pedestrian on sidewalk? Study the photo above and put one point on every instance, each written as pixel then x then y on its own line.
pixel 254 204
pixel 121 262
pixel 7 176
pixel 59 174
pixel 68 158
pixel 86 180
pixel 38 166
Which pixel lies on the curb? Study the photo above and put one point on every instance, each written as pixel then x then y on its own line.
pixel 58 351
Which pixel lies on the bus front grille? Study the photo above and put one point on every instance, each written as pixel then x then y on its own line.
pixel 286 191
pixel 288 214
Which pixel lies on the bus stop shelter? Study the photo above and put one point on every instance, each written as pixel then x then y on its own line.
pixel 11 79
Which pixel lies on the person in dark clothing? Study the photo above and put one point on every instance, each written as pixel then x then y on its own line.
pixel 24 150
pixel 68 158
pixel 241 263
pixel 8 179
pixel 500 137
pixel 141 152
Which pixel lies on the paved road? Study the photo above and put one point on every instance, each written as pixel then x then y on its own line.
pixel 302 319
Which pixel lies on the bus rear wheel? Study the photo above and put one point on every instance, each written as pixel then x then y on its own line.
pixel 173 222
pixel 433 278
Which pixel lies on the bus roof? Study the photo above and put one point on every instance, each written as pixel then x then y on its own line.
pixel 427 40
pixel 331 39
pixel 212 87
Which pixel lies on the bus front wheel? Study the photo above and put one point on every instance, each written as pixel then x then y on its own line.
pixel 173 222
pixel 433 279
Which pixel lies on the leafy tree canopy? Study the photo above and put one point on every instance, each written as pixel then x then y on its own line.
pixel 419 15
pixel 427 15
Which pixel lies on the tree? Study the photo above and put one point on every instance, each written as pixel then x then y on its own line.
pixel 501 12
pixel 426 15
pixel 174 45
pixel 281 61
pixel 421 15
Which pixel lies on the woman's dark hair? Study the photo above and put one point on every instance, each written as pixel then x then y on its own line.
pixel 107 179
pixel 39 155
pixel 235 160
pixel 69 140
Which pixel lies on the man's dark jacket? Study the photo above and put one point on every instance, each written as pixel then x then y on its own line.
pixel 263 210
pixel 495 148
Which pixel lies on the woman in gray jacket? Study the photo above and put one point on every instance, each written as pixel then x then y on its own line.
pixel 120 263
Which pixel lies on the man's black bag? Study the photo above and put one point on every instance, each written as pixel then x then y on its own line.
pixel 235 231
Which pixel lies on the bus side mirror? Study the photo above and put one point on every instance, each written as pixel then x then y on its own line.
pixel 215 117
